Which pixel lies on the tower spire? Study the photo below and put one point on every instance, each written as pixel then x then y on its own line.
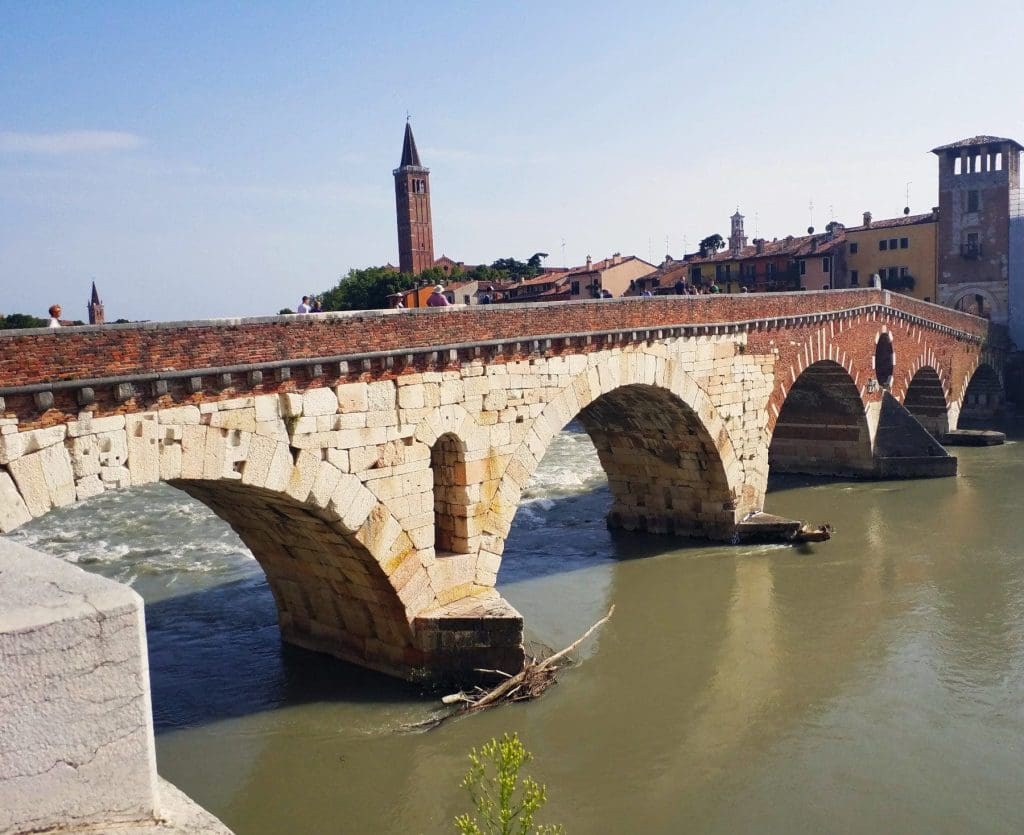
pixel 412 207
pixel 95 307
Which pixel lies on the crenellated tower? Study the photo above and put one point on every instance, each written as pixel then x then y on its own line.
pixel 412 205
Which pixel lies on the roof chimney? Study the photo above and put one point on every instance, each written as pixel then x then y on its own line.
pixel 759 245
pixel 867 220
pixel 935 212
pixel 616 258
pixel 589 262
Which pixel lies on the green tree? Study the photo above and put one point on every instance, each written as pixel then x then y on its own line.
pixel 505 804
pixel 711 244
pixel 15 321
pixel 366 289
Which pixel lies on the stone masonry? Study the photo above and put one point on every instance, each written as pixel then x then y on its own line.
pixel 376 490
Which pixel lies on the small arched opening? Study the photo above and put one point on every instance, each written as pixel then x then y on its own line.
pixel 885 359
pixel 983 400
pixel 451 497
pixel 821 428
pixel 926 401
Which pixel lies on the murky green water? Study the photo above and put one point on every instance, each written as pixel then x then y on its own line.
pixel 874 683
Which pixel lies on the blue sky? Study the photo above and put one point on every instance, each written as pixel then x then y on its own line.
pixel 220 159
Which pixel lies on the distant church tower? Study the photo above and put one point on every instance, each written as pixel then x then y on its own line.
pixel 95 308
pixel 412 204
pixel 737 240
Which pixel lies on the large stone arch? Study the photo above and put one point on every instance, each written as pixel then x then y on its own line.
pixel 982 397
pixel 345 575
pixel 668 453
pixel 822 427
pixel 926 400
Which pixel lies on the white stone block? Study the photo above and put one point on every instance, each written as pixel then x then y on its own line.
pixel 352 397
pixel 267 406
pixel 291 404
pixel 60 478
pixel 380 395
pixel 25 443
pixel 88 425
pixel 75 676
pixel 143 441
pixel 183 415
pixel 13 511
pixel 86 488
pixel 85 456
pixel 319 402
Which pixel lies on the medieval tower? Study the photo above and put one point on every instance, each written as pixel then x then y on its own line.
pixel 979 180
pixel 412 205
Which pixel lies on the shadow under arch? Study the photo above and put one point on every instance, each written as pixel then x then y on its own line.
pixel 332 594
pixel 926 400
pixel 822 428
pixel 983 398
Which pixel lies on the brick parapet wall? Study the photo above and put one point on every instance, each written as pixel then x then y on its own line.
pixel 41 357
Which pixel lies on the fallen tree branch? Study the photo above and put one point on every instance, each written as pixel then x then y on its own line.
pixel 536 677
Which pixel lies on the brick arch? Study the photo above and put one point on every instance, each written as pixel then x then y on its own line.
pixel 657 413
pixel 925 397
pixel 982 393
pixel 331 551
pixel 822 427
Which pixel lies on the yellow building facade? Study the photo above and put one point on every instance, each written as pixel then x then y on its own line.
pixel 898 249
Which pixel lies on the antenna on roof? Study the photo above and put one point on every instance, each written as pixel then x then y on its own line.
pixel 906 206
pixel 810 212
pixel 756 227
pixel 563 252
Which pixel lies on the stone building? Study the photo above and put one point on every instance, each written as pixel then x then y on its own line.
pixel 979 179
pixel 412 205
pixel 902 250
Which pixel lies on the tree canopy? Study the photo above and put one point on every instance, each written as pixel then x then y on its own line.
pixel 711 244
pixel 15 321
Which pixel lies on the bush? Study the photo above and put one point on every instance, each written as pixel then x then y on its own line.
pixel 505 805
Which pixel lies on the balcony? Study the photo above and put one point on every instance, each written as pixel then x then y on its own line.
pixel 971 251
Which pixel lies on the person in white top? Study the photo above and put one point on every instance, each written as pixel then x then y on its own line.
pixel 55 312
pixel 305 306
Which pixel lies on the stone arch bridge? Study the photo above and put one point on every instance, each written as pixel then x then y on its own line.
pixel 373 462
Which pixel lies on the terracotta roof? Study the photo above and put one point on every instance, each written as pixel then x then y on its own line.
pixel 790 246
pixel 977 140
pixel 888 223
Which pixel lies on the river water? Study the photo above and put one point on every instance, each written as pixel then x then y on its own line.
pixel 874 683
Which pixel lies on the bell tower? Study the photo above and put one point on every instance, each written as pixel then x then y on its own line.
pixel 412 205
pixel 737 238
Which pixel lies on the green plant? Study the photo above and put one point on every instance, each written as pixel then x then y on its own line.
pixel 505 805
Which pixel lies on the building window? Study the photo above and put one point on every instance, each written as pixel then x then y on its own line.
pixel 972 200
pixel 826 264
pixel 803 268
pixel 903 272
pixel 769 268
pixel 854 278
pixel 904 243
pixel 853 249
pixel 892 243
pixel 883 245
pixel 894 272
pixel 575 288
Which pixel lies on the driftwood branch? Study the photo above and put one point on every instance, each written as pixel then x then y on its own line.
pixel 535 677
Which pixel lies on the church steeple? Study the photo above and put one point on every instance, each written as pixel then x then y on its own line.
pixel 95 307
pixel 737 238
pixel 412 206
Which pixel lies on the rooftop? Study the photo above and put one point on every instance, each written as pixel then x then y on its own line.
pixel 976 141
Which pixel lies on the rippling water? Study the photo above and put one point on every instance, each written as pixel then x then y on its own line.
pixel 871 683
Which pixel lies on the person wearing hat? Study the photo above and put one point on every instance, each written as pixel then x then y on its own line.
pixel 437 298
